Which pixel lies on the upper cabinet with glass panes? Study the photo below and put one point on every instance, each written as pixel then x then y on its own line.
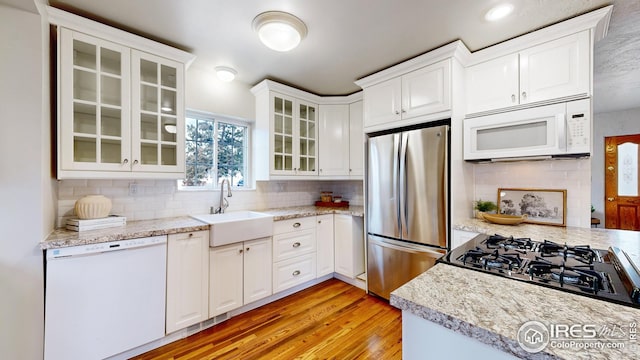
pixel 120 103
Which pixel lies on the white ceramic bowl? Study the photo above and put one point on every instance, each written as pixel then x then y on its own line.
pixel 93 207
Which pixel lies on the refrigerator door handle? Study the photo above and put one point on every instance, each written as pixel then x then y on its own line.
pixel 397 179
pixel 402 186
pixel 406 248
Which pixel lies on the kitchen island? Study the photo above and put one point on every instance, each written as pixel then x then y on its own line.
pixel 478 312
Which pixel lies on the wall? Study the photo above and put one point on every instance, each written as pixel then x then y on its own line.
pixel 206 93
pixel 160 198
pixel 26 189
pixel 573 175
pixel 608 124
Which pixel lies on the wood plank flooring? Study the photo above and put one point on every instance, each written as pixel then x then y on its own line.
pixel 332 320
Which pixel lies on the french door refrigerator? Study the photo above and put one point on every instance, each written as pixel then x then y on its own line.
pixel 407 204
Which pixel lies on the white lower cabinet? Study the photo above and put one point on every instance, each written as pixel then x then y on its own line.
pixel 349 245
pixel 294 271
pixel 325 245
pixel 294 252
pixel 187 279
pixel 240 273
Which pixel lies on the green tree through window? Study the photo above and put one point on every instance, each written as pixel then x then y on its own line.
pixel 214 149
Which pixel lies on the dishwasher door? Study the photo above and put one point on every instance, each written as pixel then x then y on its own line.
pixel 392 263
pixel 103 299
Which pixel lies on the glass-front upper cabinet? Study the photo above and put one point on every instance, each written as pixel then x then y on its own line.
pixel 294 136
pixel 94 106
pixel 158 113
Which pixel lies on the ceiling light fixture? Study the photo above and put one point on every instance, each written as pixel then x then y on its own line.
pixel 498 12
pixel 171 128
pixel 226 73
pixel 279 31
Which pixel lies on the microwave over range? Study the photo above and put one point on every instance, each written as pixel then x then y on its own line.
pixel 558 130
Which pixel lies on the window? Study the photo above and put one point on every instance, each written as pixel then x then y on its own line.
pixel 216 147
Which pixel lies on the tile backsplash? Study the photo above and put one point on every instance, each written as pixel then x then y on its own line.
pixel 161 198
pixel 574 175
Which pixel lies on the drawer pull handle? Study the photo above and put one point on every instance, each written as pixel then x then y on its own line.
pixel 296 225
pixel 296 244
pixel 296 273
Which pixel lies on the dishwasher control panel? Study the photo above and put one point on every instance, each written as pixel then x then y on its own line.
pixel 105 247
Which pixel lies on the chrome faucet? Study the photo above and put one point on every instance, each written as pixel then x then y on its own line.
pixel 223 204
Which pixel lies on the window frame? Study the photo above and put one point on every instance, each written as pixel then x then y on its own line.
pixel 216 119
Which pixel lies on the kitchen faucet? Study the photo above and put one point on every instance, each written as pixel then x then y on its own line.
pixel 223 204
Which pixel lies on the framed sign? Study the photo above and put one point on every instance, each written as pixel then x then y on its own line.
pixel 542 206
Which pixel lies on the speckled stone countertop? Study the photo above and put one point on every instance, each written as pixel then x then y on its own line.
pixel 304 211
pixel 491 309
pixel 134 229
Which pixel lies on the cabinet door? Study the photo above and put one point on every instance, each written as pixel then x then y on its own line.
pixel 382 103
pixel 356 140
pixel 334 140
pixel 349 245
pixel 556 69
pixel 493 84
pixel 257 269
pixel 94 120
pixel 427 90
pixel 307 136
pixel 158 114
pixel 325 246
pixel 225 278
pixel 187 279
pixel 282 139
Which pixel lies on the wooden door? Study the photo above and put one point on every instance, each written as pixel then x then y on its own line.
pixel 622 193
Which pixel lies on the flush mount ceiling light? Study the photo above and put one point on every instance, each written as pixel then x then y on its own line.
pixel 279 31
pixel 498 12
pixel 226 73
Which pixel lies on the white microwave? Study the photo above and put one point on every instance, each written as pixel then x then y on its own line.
pixel 547 131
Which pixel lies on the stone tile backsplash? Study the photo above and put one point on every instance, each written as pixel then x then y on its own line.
pixel 161 198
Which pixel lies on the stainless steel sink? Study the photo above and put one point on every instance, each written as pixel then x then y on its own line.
pixel 236 226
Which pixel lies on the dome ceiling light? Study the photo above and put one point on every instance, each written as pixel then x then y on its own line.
pixel 498 12
pixel 279 31
pixel 226 73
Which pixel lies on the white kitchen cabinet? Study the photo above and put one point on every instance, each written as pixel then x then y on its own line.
pixel 356 140
pixel 121 110
pixel 349 245
pixel 334 140
pixel 557 69
pixel 293 136
pixel 420 92
pixel 325 245
pixel 240 273
pixel 187 279
pixel 294 252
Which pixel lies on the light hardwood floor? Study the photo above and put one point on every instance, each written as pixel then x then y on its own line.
pixel 331 320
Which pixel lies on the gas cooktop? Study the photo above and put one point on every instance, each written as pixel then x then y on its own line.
pixel 602 274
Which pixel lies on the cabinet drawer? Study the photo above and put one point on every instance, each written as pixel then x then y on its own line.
pixel 292 272
pixel 285 226
pixel 286 246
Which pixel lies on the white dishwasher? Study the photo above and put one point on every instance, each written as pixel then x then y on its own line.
pixel 103 299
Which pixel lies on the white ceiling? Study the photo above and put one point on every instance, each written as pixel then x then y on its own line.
pixel 349 39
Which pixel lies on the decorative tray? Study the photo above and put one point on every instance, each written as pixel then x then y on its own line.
pixel 504 219
pixel 343 203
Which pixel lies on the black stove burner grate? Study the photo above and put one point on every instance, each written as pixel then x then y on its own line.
pixel 510 243
pixel 582 253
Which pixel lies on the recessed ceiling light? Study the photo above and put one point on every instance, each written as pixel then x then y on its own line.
pixel 498 12
pixel 279 31
pixel 226 73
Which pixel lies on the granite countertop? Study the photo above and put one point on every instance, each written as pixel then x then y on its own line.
pixel 145 228
pixel 491 309
pixel 134 229
pixel 304 211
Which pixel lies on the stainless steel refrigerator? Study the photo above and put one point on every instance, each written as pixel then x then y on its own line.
pixel 407 205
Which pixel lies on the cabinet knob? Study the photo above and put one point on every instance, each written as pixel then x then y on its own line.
pixel 295 245
pixel 320 170
pixel 524 95
pixel 248 249
pixel 404 111
pixel 397 112
pixel 296 225
pixel 240 251
pixel 296 273
pixel 191 235
pixel 125 161
pixel 513 97
pixel 350 170
pixel 135 162
pixel 319 221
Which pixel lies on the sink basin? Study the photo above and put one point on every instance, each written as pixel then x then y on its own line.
pixel 236 226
